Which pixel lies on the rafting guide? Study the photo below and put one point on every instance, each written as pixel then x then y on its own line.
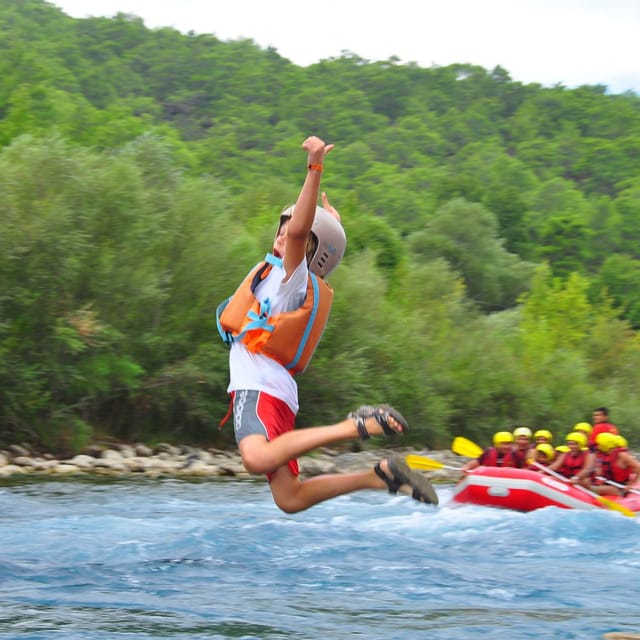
pixel 272 324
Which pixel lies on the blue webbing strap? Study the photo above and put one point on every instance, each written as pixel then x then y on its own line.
pixel 257 320
pixel 312 317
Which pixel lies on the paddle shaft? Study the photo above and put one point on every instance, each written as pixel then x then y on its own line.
pixel 617 484
pixel 555 474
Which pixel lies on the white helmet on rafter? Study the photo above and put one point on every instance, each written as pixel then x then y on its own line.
pixel 327 243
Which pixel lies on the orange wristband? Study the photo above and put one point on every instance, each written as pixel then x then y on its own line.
pixel 315 167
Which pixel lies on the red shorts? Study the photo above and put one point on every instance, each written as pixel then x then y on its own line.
pixel 257 412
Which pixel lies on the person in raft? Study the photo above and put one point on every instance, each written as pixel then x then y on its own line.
pixel 499 455
pixel 543 455
pixel 601 424
pixel 273 323
pixel 616 469
pixel 577 463
pixel 522 448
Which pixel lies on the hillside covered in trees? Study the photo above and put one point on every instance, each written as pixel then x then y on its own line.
pixel 493 258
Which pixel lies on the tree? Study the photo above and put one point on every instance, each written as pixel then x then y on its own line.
pixel 618 277
pixel 466 235
pixel 559 226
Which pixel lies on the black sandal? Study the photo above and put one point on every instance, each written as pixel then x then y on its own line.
pixel 401 474
pixel 381 413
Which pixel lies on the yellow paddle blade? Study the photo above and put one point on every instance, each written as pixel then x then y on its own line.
pixel 614 506
pixel 464 447
pixel 427 464
pixel 422 462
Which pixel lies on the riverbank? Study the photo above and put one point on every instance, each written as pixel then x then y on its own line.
pixel 184 461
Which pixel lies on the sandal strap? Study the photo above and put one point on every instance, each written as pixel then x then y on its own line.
pixel 362 429
pixel 382 418
pixel 421 489
pixel 392 483
pixel 381 413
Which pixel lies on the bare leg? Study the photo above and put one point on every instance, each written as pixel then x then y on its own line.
pixel 606 490
pixel 260 455
pixel 292 494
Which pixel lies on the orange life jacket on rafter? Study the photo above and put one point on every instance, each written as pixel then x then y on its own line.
pixel 290 337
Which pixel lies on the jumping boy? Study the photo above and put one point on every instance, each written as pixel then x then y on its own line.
pixel 273 323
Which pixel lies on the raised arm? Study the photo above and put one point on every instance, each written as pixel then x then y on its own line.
pixel 305 208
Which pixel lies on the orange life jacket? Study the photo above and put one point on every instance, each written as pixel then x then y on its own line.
pixel 290 337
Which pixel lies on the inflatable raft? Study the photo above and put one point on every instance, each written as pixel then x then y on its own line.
pixel 527 490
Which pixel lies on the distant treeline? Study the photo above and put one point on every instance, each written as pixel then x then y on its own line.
pixel 493 257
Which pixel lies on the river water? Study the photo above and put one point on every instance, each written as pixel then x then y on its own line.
pixel 214 559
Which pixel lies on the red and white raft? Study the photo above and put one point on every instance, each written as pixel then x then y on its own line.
pixel 527 490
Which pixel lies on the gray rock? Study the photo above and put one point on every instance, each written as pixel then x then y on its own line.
pixel 10 470
pixel 143 451
pixel 169 460
pixel 18 451
pixel 110 454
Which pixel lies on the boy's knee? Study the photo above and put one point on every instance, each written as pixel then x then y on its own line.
pixel 256 460
pixel 253 464
pixel 288 504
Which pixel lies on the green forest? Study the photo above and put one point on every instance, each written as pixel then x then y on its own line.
pixel 493 256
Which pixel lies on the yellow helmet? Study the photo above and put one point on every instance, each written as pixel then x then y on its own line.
pixel 606 441
pixel 585 427
pixel 547 449
pixel 502 436
pixel 543 433
pixel 562 448
pixel 579 437
pixel 621 441
pixel 522 431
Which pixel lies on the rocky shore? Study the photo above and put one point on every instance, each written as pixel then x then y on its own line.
pixel 167 460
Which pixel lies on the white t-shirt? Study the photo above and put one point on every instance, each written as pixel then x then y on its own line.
pixel 255 371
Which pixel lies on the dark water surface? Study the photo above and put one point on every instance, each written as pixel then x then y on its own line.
pixel 215 559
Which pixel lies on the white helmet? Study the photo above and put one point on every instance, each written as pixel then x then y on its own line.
pixel 330 241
